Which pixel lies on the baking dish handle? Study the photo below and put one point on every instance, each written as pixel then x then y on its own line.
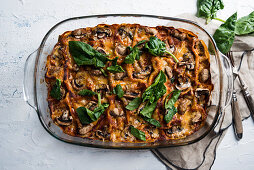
pixel 228 71
pixel 29 80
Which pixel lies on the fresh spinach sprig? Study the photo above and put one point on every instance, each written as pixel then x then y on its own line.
pixel 157 47
pixel 118 90
pixel 224 36
pixel 137 133
pixel 87 116
pixel 208 8
pixel 245 25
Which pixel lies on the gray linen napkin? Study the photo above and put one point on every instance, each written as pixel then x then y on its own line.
pixel 201 155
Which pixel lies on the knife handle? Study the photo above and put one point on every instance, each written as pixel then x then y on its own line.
pixel 249 101
pixel 237 119
pixel 247 96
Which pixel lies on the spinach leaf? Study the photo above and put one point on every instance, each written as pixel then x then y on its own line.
pixel 118 90
pixel 152 121
pixel 148 110
pixel 170 113
pixel 137 133
pixel 86 92
pixel 172 100
pixel 84 54
pixel 157 47
pixel 134 53
pixel 152 94
pixel 134 104
pixel 169 105
pixel 56 91
pixel 83 116
pixel 156 90
pixel 245 25
pixel 115 68
pixel 87 116
pixel 207 9
pixel 224 36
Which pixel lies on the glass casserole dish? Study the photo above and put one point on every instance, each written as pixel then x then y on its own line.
pixel 35 89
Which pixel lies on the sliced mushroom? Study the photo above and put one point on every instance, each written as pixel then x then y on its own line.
pixel 189 66
pixel 116 112
pixel 151 31
pixel 183 83
pixel 121 49
pixel 202 95
pixel 204 75
pixel 102 134
pixel 131 94
pixel 102 88
pixel 176 33
pixel 95 72
pixel 65 119
pixel 120 76
pixel 101 50
pixel 143 73
pixel 173 129
pixel 141 107
pixel 126 134
pixel 168 71
pixel 103 32
pixel 77 83
pixel 123 32
pixel 91 105
pixel 78 33
pixel 196 117
pixel 84 130
pixel 183 106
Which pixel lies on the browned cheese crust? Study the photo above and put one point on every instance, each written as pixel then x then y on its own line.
pixel 113 124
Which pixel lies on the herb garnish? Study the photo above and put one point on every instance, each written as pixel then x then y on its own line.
pixel 87 116
pixel 134 53
pixel 224 36
pixel 118 90
pixel 86 92
pixel 169 105
pixel 152 95
pixel 56 91
pixel 157 47
pixel 207 9
pixel 115 68
pixel 134 104
pixel 85 54
pixel 137 133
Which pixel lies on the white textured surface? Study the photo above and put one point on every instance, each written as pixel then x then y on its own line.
pixel 24 144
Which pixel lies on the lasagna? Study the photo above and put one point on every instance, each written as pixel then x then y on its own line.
pixel 129 83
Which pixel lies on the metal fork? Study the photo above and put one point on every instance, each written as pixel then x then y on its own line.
pixel 237 119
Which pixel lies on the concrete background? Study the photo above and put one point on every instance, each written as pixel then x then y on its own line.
pixel 24 144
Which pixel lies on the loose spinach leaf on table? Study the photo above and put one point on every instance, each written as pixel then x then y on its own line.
pixel 134 104
pixel 135 53
pixel 56 91
pixel 87 116
pixel 118 90
pixel 169 105
pixel 224 36
pixel 115 68
pixel 207 9
pixel 157 47
pixel 85 54
pixel 86 92
pixel 137 133
pixel 245 25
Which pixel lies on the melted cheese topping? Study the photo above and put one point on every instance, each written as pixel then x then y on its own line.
pixel 113 124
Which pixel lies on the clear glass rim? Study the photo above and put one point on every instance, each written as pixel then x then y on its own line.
pixel 211 127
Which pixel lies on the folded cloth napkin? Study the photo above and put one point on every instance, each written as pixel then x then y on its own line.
pixel 201 155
